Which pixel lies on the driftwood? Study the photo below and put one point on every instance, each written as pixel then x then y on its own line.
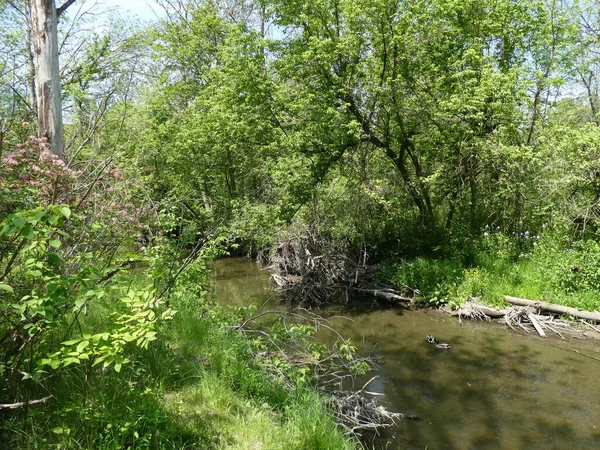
pixel 492 312
pixel 475 310
pixel 536 324
pixel 388 295
pixel 524 317
pixel 551 307
pixel 356 413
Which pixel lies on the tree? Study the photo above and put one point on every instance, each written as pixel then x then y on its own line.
pixel 44 22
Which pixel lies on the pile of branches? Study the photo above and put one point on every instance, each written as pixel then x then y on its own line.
pixel 526 315
pixel 356 412
pixel 312 268
pixel 474 310
pixel 359 412
pixel 528 318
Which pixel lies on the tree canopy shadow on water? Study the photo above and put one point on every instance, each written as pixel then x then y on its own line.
pixel 486 392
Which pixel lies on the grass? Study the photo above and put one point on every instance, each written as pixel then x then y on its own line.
pixel 549 271
pixel 197 387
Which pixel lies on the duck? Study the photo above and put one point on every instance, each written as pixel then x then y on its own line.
pixel 436 341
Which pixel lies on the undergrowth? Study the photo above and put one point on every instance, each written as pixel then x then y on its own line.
pixel 548 267
pixel 198 386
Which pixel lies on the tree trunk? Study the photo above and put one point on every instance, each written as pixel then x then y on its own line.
pixel 47 75
pixel 30 66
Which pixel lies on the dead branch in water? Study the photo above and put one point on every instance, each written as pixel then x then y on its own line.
pixel 524 317
pixel 476 311
pixel 356 413
pixel 536 324
pixel 389 295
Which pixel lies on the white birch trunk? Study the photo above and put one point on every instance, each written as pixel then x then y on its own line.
pixel 47 74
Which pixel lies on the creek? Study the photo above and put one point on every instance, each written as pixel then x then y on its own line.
pixel 494 389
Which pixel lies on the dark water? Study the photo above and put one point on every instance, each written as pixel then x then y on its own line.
pixel 495 389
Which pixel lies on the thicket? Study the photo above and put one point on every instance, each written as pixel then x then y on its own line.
pixel 454 143
pixel 103 348
pixel 408 131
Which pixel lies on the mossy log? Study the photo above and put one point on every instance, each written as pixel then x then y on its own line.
pixel 551 307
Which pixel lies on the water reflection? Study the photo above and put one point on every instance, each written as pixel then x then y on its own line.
pixel 495 389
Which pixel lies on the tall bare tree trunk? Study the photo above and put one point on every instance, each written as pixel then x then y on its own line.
pixel 47 74
pixel 30 65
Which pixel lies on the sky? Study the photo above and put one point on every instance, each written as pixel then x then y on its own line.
pixel 144 9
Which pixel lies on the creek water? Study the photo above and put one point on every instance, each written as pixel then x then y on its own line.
pixel 494 389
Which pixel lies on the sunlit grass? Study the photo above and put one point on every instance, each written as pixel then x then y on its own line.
pixel 197 387
pixel 547 274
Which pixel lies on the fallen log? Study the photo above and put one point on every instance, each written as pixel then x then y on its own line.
pixel 536 325
pixel 492 312
pixel 551 307
pixel 384 294
pixel 475 310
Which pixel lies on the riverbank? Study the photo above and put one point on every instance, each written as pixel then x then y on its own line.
pixel 543 268
pixel 493 389
pixel 197 386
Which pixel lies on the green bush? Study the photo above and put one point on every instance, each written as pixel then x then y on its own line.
pixel 429 278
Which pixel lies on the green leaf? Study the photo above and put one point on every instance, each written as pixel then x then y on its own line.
pixel 6 288
pixel 52 219
pixel 64 210
pixel 27 231
pixel 79 302
pixel 38 215
pixel 71 360
pixel 54 258
pixel 54 243
pixel 55 364
pixel 117 367
pixel 18 222
pixel 82 345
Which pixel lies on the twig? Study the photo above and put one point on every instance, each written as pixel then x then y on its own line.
pixel 21 404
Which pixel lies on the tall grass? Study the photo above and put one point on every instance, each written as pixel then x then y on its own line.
pixel 198 386
pixel 550 268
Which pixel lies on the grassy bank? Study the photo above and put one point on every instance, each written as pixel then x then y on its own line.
pixel 548 267
pixel 198 386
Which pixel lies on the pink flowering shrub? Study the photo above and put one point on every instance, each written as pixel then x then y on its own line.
pixel 31 176
pixel 108 206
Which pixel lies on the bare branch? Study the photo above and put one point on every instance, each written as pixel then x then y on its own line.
pixel 64 6
pixel 19 10
pixel 21 404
